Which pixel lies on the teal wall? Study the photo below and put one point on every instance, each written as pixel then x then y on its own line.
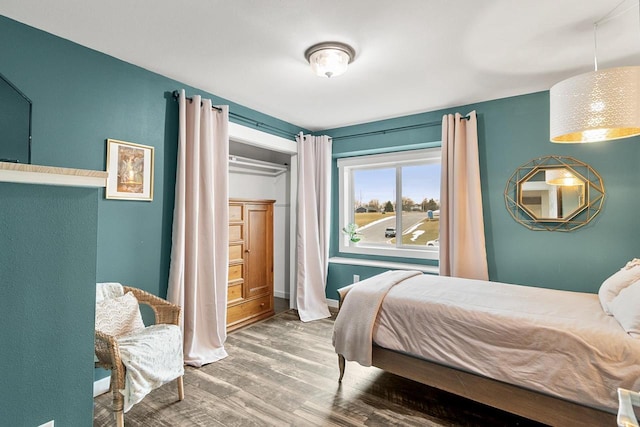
pixel 47 269
pixel 511 132
pixel 80 98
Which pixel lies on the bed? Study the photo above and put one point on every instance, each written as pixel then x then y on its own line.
pixel 551 356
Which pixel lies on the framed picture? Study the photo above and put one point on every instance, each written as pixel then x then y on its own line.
pixel 130 169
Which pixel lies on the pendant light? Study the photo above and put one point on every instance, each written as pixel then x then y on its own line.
pixel 601 105
pixel 330 59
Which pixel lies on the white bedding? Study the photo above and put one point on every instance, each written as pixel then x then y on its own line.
pixel 556 342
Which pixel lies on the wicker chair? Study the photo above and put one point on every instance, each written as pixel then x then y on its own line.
pixel 108 353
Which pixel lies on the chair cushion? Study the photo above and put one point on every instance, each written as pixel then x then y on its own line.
pixel 119 316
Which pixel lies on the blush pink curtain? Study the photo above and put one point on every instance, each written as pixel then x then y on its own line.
pixel 312 249
pixel 462 243
pixel 199 252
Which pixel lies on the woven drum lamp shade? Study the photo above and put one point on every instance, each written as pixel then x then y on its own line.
pixel 596 106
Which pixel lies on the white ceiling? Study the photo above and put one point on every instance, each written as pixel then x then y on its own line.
pixel 411 55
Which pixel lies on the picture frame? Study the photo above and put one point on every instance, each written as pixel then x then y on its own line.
pixel 130 169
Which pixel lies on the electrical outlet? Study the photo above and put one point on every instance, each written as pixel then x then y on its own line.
pixel 356 278
pixel 49 424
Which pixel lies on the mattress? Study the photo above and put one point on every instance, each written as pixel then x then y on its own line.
pixel 559 343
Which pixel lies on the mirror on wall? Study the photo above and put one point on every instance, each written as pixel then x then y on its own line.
pixel 554 193
pixel 15 124
pixel 545 200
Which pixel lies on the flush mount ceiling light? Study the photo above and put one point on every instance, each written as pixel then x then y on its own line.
pixel 596 106
pixel 330 59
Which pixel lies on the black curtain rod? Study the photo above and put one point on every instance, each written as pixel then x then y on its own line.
pixel 240 117
pixel 391 130
pixel 248 120
pixel 176 95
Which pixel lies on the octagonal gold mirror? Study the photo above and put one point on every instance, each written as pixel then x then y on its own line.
pixel 554 193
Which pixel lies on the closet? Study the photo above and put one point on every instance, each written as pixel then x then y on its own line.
pixel 250 285
pixel 263 166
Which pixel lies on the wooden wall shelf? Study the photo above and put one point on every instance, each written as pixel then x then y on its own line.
pixel 51 175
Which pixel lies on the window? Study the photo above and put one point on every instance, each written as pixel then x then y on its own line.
pixel 394 199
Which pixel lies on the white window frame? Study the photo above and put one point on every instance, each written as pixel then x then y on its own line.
pixel 345 189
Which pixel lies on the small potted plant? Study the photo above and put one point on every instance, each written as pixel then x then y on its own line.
pixel 351 230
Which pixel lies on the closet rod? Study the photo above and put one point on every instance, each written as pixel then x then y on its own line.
pixel 176 96
pixel 237 160
pixel 237 164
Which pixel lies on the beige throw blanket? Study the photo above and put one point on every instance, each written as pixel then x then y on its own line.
pixel 353 329
pixel 152 357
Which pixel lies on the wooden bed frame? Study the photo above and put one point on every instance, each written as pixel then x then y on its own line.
pixel 507 397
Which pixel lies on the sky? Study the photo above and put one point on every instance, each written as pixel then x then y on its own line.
pixel 418 182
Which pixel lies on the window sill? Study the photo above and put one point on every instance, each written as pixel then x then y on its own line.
pixel 429 269
pixel 389 252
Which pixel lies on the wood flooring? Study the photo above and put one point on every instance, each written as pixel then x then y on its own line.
pixel 282 372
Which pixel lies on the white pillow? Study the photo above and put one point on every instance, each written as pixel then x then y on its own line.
pixel 119 316
pixel 611 287
pixel 624 308
pixel 634 262
pixel 108 290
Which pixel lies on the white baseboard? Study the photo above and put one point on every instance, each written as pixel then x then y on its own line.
pixel 333 303
pixel 281 294
pixel 101 386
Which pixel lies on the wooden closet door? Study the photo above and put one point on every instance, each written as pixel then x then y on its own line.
pixel 259 249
